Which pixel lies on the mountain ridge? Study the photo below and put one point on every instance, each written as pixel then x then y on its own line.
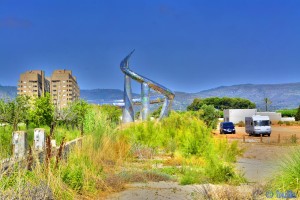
pixel 283 95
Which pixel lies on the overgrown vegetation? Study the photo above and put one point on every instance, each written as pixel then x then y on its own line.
pixel 112 155
pixel 185 136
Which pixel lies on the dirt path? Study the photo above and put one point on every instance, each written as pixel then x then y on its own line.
pixel 261 161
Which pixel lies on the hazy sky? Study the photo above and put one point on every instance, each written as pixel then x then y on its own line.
pixel 186 45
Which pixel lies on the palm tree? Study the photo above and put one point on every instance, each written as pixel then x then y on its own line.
pixel 267 102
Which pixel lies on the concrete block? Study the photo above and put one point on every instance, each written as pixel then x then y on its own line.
pixel 39 139
pixel 19 142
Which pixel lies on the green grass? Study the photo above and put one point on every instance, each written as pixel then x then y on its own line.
pixel 288 176
pixel 187 135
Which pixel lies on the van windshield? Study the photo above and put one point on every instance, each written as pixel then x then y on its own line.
pixel 262 123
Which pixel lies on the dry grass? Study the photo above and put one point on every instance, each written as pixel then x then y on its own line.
pixel 214 192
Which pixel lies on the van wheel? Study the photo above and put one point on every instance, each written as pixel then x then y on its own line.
pixel 269 135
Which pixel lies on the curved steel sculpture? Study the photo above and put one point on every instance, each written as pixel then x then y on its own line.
pixel 146 84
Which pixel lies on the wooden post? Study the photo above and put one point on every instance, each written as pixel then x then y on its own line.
pixel 261 138
pixel 244 139
pixel 278 138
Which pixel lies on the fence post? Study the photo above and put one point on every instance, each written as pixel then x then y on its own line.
pixel 39 139
pixel 244 139
pixel 261 138
pixel 278 140
pixel 19 141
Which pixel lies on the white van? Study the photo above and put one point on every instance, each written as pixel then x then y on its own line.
pixel 257 125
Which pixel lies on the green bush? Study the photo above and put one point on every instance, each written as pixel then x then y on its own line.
pixel 241 124
pixel 287 112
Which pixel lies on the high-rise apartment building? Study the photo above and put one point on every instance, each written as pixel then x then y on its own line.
pixel 33 83
pixel 63 88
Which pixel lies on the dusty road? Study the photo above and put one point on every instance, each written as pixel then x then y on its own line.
pixel 262 158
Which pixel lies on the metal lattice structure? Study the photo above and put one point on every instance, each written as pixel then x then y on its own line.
pixel 146 84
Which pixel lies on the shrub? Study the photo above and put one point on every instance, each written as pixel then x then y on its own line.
pixel 294 139
pixel 241 124
pixel 209 115
pixel 280 123
pixel 288 112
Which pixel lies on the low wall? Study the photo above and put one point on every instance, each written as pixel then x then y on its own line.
pixel 288 119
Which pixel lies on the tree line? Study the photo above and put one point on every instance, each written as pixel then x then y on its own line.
pixel 41 111
pixel 221 103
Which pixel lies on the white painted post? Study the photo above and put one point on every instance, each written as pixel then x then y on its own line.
pixel 19 141
pixel 39 139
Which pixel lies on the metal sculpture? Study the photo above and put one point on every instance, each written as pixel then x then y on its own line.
pixel 146 84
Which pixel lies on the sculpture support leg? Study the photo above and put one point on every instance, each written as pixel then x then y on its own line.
pixel 145 101
pixel 128 113
pixel 166 108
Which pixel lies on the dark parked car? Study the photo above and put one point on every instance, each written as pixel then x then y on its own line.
pixel 227 127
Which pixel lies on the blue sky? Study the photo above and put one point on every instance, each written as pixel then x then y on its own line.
pixel 188 45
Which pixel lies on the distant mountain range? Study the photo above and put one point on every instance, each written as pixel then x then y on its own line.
pixel 282 95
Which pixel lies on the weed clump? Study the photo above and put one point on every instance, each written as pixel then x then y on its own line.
pixel 288 176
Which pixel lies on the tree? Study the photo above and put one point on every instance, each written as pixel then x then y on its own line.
pixel 297 117
pixel 4 111
pixel 196 105
pixel 267 102
pixel 113 113
pixel 221 103
pixel 209 115
pixel 14 111
pixel 80 108
pixel 42 112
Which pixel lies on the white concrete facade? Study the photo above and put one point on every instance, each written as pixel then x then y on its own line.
pixel 274 117
pixel 237 115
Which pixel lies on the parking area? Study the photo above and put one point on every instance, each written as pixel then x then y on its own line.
pixel 263 155
pixel 280 134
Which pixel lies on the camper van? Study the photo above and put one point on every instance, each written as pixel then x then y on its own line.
pixel 257 125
